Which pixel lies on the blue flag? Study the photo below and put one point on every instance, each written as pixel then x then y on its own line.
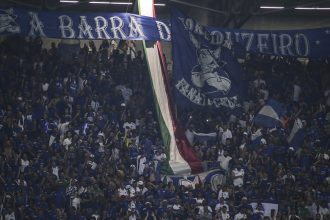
pixel 271 115
pixel 125 26
pixel 205 74
pixel 187 181
pixel 214 177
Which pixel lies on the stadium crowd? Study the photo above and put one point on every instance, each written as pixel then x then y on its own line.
pixel 79 139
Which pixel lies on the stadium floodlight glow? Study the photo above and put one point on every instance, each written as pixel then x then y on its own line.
pixel 160 4
pixel 68 1
pixel 271 7
pixel 311 8
pixel 111 3
pixel 99 2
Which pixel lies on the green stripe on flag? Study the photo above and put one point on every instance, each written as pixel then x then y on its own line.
pixel 166 169
pixel 176 163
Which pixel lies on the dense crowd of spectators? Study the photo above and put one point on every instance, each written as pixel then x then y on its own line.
pixel 79 139
pixel 261 164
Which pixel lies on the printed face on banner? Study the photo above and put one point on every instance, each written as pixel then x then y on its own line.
pixel 206 74
pixel 209 72
pixel 8 21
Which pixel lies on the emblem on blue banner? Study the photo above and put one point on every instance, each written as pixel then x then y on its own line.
pixel 8 21
pixel 206 74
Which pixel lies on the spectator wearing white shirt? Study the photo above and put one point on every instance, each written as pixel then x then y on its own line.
pixel 259 210
pixel 125 92
pixel 320 210
pixel 63 128
pixel 122 192
pixel 24 163
pixel 140 188
pixel 205 211
pixel 221 203
pixel 223 193
pixel 224 160
pixel 240 216
pixel 258 82
pixel 160 156
pixel 55 170
pixel 129 126
pixel 226 135
pixel 238 176
pixel 141 163
pixel 224 213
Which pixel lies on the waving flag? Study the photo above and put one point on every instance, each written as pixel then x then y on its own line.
pixel 192 136
pixel 205 74
pixel 214 177
pixel 271 115
pixel 188 181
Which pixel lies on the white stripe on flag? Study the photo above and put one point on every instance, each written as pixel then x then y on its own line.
pixel 177 163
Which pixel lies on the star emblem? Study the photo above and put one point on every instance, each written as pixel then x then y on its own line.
pixel 327 31
pixel 317 42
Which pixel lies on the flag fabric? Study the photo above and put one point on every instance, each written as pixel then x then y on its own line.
pixel 205 136
pixel 182 158
pixel 270 115
pixel 192 136
pixel 205 74
pixel 296 138
pixel 214 177
pixel 187 181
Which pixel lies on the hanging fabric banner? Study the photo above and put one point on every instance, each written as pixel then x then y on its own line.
pixel 88 26
pixel 205 75
pixel 125 26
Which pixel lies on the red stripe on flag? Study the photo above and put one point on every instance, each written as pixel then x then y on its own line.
pixel 184 147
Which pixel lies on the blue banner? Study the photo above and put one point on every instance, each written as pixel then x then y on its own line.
pixel 299 43
pixel 205 74
pixel 214 178
pixel 90 26
pixel 270 115
pixel 73 25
